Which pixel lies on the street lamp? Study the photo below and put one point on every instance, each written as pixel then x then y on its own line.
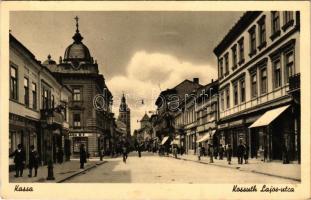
pixel 49 120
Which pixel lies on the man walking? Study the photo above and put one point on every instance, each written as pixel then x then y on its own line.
pixel 211 150
pixel 229 154
pixel 19 160
pixel 240 152
pixel 124 153
pixel 33 161
pixel 199 150
pixel 82 156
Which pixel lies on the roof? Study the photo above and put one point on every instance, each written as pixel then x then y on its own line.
pixel 145 118
pixel 247 18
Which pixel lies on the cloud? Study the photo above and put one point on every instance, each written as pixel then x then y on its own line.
pixel 146 74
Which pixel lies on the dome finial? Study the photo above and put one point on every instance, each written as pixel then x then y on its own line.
pixel 77 23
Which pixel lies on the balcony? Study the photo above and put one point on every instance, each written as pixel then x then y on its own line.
pixel 51 117
pixel 75 104
pixel 294 83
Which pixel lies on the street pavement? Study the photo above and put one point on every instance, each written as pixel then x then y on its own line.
pixel 151 168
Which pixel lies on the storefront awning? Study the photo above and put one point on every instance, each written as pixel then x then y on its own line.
pixel 204 138
pixel 268 117
pixel 164 140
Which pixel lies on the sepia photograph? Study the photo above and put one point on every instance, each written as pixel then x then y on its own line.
pixel 164 97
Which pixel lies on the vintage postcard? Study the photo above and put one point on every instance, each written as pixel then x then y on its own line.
pixel 155 100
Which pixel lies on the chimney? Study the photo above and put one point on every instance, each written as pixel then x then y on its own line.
pixel 196 80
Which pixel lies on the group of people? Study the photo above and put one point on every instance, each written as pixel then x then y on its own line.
pixel 20 160
pixel 221 151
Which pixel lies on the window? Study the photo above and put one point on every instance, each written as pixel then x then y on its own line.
pixel 289 64
pixel 262 32
pixel 252 41
pixel 222 101
pixel 275 17
pixel 76 94
pixel 254 85
pixel 228 97
pixel 13 83
pixel 277 73
pixel 242 89
pixel 234 57
pixel 34 96
pixel 45 98
pixel 53 101
pixel 26 92
pixel 263 81
pixel 227 63
pixel 221 68
pixel 235 94
pixel 76 120
pixel 288 17
pixel 241 50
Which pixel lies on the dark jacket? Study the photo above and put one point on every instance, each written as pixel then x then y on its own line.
pixel 19 156
pixel 33 159
pixel 241 150
pixel 82 156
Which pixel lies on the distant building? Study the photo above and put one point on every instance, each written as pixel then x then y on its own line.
pixel 38 106
pixel 90 125
pixel 168 104
pixel 259 84
pixel 125 115
pixel 144 135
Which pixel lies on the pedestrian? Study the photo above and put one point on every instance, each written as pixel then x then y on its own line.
pixel 82 156
pixel 246 153
pixel 19 160
pixel 229 154
pixel 240 152
pixel 215 152
pixel 33 161
pixel 265 153
pixel 199 150
pixel 285 154
pixel 221 152
pixel 211 150
pixel 60 155
pixel 203 151
pixel 124 153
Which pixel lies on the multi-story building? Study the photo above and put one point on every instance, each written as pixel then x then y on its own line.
pixel 168 106
pixel 196 120
pixel 38 106
pixel 90 116
pixel 125 116
pixel 258 68
pixel 144 135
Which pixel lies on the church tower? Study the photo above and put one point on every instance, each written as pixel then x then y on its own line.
pixel 125 115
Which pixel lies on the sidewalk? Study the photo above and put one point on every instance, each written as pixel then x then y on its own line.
pixel 61 172
pixel 274 168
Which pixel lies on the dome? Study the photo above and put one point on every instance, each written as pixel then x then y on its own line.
pixel 49 61
pixel 77 51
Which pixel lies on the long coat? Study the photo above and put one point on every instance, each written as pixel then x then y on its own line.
pixel 82 156
pixel 19 157
pixel 33 159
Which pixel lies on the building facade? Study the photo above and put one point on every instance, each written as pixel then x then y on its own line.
pixel 90 117
pixel 259 74
pixel 38 106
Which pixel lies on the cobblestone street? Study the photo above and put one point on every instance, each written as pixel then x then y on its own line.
pixel 154 169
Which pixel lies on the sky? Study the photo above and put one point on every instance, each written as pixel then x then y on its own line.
pixel 139 53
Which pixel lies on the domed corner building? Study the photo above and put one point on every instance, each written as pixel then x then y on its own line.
pixel 90 118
